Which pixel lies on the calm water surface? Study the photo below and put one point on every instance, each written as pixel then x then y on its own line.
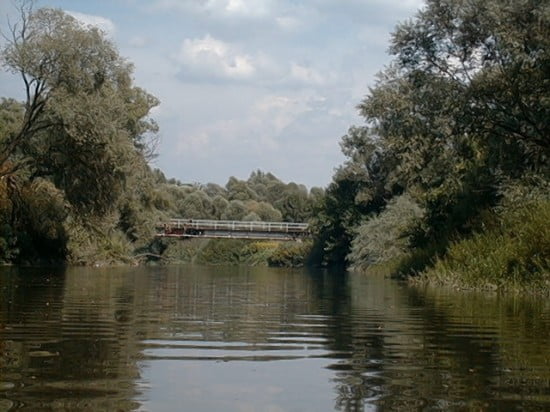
pixel 257 339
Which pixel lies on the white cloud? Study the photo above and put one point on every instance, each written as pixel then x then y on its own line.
pixel 305 74
pixel 104 24
pixel 221 8
pixel 259 125
pixel 211 60
pixel 241 81
pixel 288 23
pixel 214 57
pixel 139 41
pixel 197 143
pixel 245 7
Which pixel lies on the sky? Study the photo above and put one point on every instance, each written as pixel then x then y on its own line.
pixel 246 84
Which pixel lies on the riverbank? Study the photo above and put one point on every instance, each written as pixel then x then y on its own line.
pixel 237 252
pixel 510 253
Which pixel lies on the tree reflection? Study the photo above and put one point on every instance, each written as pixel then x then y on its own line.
pixel 81 338
pixel 414 349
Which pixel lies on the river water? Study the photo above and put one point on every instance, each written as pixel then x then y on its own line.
pixel 258 339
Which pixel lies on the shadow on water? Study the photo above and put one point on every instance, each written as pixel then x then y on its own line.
pixel 437 349
pixel 59 346
pixel 237 338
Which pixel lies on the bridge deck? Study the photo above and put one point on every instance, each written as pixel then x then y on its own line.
pixel 188 228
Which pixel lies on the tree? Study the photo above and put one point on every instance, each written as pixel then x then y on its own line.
pixel 219 204
pixel 496 54
pixel 196 205
pixel 465 105
pixel 359 188
pixel 268 213
pixel 84 123
pixel 239 190
pixel 235 210
pixel 385 236
pixel 462 109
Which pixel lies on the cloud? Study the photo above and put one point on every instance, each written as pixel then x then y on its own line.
pixel 104 24
pixel 249 83
pixel 208 59
pixel 305 74
pixel 257 126
pixel 288 23
pixel 245 7
pixel 211 57
pixel 139 41
pixel 220 8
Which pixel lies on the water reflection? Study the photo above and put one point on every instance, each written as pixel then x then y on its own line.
pixel 211 338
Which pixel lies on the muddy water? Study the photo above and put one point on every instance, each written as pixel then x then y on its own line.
pixel 257 339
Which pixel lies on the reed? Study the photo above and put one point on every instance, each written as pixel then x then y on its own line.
pixel 513 254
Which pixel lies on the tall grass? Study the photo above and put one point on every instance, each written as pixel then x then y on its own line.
pixel 512 253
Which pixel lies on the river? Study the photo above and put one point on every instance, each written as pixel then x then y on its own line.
pixel 259 339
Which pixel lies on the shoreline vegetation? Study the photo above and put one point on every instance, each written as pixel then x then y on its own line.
pixel 446 183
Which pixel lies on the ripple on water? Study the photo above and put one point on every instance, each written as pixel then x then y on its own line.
pixel 144 337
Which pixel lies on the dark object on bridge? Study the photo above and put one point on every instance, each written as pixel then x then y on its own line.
pixel 229 229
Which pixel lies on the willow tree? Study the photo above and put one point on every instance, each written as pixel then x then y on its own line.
pixel 84 123
pixel 461 111
pixel 465 104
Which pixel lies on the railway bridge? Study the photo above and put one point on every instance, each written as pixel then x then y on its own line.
pixel 232 229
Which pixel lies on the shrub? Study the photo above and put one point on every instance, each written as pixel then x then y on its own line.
pixel 385 236
pixel 514 254
pixel 290 254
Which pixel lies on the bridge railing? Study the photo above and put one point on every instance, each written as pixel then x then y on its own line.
pixel 236 226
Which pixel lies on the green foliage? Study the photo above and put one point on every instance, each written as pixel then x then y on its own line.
pixel 257 253
pixel 196 205
pixel 265 211
pixel 219 205
pixel 238 252
pixel 360 187
pixel 84 124
pixel 386 236
pixel 512 254
pixel 11 115
pixel 291 254
pixel 294 203
pixel 138 209
pixel 96 242
pixel 75 184
pixel 239 190
pixel 458 121
pixel 235 210
pixel 76 148
pixel 187 251
pixel 8 247
pixel 252 217
pixel 226 251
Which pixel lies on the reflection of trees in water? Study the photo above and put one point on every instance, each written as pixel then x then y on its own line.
pixel 76 340
pixel 62 348
pixel 411 349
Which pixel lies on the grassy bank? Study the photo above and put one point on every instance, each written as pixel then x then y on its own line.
pixel 511 253
pixel 237 252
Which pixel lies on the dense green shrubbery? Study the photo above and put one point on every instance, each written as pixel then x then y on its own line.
pixel 512 253
pixel 293 254
pixel 238 252
pixel 386 236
